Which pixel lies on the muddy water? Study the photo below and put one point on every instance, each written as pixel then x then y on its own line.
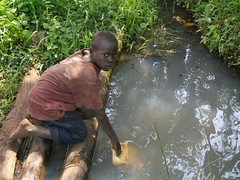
pixel 182 115
pixel 55 163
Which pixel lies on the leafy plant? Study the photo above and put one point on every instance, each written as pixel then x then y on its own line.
pixel 11 29
pixel 219 23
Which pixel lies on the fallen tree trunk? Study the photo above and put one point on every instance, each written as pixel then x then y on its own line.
pixel 18 112
pixel 78 161
pixel 33 167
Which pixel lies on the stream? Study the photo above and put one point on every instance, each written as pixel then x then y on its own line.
pixel 181 115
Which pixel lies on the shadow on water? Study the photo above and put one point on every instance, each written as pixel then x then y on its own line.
pixel 181 114
pixel 55 162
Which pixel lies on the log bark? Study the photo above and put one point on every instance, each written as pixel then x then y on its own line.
pixel 33 167
pixel 78 160
pixel 12 120
pixel 104 79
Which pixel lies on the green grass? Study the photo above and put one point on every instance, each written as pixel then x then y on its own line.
pixel 218 21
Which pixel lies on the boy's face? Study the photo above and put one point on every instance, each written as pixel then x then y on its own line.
pixel 105 56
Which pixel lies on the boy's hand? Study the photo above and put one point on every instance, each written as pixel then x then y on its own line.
pixel 117 147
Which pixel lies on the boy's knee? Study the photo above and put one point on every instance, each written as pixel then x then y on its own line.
pixel 82 136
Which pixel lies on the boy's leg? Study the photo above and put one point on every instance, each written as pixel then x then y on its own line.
pixel 26 129
pixel 68 130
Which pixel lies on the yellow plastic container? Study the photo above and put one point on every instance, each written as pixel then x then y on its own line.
pixel 123 158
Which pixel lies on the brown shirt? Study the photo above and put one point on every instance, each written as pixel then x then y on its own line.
pixel 72 83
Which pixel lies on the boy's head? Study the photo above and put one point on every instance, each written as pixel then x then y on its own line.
pixel 103 50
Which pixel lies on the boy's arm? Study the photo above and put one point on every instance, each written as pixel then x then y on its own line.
pixel 107 127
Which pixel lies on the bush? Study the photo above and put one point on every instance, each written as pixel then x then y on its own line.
pixel 219 23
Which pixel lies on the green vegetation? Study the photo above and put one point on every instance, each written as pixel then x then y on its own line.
pixel 43 32
pixel 219 23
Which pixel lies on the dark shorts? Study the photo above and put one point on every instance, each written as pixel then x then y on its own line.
pixel 68 130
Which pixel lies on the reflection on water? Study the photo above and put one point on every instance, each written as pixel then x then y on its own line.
pixel 194 103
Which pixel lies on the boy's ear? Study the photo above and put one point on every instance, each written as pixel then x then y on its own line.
pixel 91 49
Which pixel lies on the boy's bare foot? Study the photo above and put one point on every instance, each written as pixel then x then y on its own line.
pixel 23 130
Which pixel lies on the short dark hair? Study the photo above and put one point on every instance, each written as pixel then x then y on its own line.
pixel 102 36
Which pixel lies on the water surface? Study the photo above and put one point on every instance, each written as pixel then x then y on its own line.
pixel 182 114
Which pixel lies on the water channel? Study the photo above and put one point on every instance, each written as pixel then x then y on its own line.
pixel 181 115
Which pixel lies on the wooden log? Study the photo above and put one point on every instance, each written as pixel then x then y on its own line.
pixel 78 161
pixel 12 120
pixel 104 79
pixel 33 167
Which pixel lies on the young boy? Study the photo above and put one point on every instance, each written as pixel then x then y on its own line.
pixel 69 92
